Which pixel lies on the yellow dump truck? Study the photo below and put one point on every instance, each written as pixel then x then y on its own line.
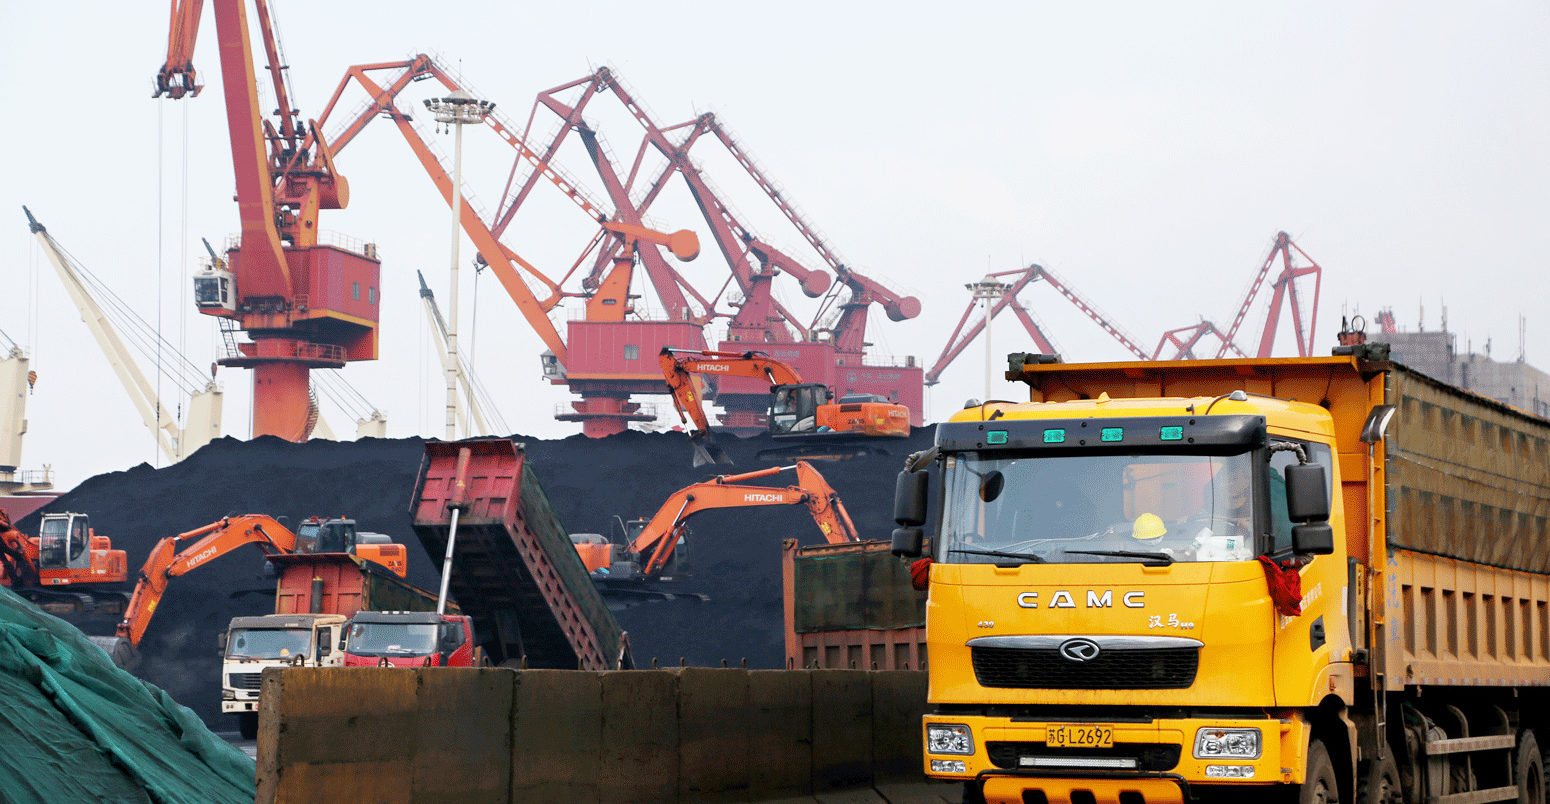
pixel 1309 579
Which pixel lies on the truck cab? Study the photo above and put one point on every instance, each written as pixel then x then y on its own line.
pixel 410 639
pixel 1098 617
pixel 275 640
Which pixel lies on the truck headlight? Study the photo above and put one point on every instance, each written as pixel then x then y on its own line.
pixel 948 766
pixel 228 695
pixel 1230 743
pixel 949 738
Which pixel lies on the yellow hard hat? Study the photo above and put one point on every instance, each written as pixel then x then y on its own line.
pixel 1148 527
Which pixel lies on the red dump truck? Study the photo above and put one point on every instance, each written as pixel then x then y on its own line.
pixel 1300 579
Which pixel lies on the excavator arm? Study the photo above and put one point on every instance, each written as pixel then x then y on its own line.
pixel 660 535
pixel 18 568
pixel 679 367
pixel 175 555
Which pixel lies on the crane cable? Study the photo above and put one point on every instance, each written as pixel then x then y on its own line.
pixel 160 148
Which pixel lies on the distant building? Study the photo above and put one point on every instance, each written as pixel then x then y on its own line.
pixel 1435 354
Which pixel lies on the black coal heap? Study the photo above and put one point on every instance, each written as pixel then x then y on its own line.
pixel 734 558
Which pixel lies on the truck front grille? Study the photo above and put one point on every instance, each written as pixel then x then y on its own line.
pixel 1038 668
pixel 1147 756
pixel 243 681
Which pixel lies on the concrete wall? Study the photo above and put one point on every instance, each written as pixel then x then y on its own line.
pixel 681 735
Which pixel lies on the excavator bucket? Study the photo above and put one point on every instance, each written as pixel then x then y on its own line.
pixel 708 452
pixel 119 649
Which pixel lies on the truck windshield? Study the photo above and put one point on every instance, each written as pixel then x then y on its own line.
pixel 392 639
pixel 1098 508
pixel 268 643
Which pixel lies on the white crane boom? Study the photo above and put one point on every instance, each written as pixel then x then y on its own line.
pixel 439 327
pixel 204 416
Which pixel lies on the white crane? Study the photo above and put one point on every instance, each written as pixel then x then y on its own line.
pixel 16 381
pixel 478 399
pixel 203 421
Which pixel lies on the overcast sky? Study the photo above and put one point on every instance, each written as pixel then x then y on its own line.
pixel 1145 152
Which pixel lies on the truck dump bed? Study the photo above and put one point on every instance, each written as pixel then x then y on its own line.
pixel 851 606
pixel 514 568
pixel 1456 582
pixel 1472 475
pixel 340 583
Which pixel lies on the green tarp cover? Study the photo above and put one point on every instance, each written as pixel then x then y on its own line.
pixel 73 727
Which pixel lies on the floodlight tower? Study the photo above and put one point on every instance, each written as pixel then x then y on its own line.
pixel 455 111
pixel 989 291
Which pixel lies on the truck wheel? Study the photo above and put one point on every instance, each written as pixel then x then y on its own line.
pixel 247 724
pixel 1380 785
pixel 1529 772
pixel 1320 786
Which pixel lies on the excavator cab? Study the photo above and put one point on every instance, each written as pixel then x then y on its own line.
pixel 64 542
pixel 794 408
pixel 318 535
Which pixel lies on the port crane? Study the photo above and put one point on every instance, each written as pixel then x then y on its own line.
pixel 1183 343
pixel 16 382
pixel 585 356
pixel 831 348
pixel 1016 281
pixel 202 421
pixel 1284 290
pixel 577 359
pixel 307 302
pixel 478 400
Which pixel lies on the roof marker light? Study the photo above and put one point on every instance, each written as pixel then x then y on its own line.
pixel 995 437
pixel 1171 434
pixel 1113 434
pixel 1055 436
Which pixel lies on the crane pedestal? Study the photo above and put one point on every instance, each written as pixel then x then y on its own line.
pixel 283 404
pixel 603 415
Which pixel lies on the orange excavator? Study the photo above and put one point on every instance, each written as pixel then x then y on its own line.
pixel 652 542
pixel 800 409
pixel 175 556
pixel 63 568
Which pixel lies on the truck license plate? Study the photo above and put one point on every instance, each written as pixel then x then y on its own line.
pixel 1079 737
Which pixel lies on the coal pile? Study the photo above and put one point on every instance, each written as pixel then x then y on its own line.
pixel 734 557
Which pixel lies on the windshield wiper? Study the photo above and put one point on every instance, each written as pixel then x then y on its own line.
pixel 1148 558
pixel 1029 557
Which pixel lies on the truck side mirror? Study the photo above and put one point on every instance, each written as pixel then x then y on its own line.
pixel 1317 539
pixel 909 499
pixel 907 542
pixel 220 644
pixel 1307 496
